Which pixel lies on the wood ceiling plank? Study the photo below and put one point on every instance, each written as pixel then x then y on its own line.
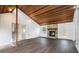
pixel 5 8
pixel 43 10
pixel 49 14
pixel 1 8
pixel 68 17
pixel 56 15
pixel 54 12
pixel 32 8
pixel 56 21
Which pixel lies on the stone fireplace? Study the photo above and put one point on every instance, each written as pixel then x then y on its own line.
pixel 52 32
pixel 49 31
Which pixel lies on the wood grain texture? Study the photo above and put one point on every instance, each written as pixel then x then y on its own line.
pixel 5 8
pixel 43 45
pixel 49 14
pixel 17 26
pixel 44 14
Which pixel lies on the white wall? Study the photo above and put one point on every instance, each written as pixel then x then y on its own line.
pixel 77 29
pixel 6 21
pixel 76 22
pixel 66 31
pixel 45 32
pixel 32 28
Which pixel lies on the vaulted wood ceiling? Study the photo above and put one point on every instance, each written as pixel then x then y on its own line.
pixel 6 8
pixel 49 14
pixel 44 14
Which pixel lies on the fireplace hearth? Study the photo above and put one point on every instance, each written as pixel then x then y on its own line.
pixel 52 32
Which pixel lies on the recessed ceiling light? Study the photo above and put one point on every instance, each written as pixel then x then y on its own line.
pixel 10 9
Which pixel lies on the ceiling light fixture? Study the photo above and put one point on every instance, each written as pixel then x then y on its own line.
pixel 10 9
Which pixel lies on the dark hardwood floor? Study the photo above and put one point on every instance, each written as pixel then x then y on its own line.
pixel 43 45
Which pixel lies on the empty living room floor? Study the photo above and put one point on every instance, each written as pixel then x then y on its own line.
pixel 43 45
